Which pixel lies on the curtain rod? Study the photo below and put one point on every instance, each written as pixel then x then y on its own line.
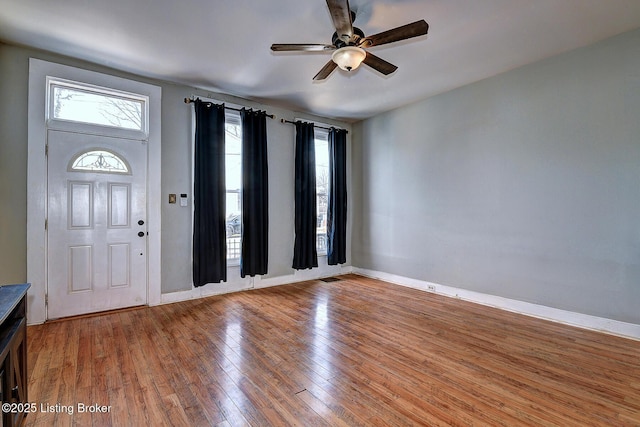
pixel 189 101
pixel 314 125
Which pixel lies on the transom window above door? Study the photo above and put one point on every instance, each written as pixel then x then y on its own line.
pixel 75 102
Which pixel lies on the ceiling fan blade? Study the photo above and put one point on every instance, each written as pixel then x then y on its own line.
pixel 325 71
pixel 379 64
pixel 302 47
pixel 341 17
pixel 415 29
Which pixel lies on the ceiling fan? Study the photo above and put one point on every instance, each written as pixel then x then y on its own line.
pixel 349 42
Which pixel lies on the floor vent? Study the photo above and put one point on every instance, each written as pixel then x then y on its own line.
pixel 330 279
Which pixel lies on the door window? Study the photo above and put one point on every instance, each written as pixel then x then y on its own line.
pixel 99 161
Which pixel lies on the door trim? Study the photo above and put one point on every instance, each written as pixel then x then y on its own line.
pixel 37 175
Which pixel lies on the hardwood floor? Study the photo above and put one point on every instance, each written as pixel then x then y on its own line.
pixel 353 352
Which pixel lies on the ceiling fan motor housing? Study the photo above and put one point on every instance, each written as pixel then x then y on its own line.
pixel 338 42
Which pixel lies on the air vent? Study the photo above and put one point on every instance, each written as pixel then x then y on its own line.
pixel 330 279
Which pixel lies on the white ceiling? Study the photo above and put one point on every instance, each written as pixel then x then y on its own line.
pixel 223 46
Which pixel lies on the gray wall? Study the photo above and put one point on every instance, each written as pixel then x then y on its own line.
pixel 525 185
pixel 13 166
pixel 176 174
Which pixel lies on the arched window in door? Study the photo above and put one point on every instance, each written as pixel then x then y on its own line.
pixel 99 161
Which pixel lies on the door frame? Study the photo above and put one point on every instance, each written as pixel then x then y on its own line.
pixel 39 70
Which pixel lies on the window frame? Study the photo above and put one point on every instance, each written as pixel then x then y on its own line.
pixel 319 130
pixel 95 128
pixel 233 117
pixel 321 135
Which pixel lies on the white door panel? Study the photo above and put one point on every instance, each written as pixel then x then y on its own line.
pixel 97 261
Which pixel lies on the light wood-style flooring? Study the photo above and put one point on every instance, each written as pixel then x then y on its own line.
pixel 355 352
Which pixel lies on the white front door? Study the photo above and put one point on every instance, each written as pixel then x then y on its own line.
pixel 97 231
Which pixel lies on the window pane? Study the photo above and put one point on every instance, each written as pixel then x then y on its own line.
pixel 96 108
pixel 233 171
pixel 99 161
pixel 322 189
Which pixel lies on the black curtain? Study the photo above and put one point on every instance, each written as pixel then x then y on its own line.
pixel 209 196
pixel 337 210
pixel 304 249
pixel 255 194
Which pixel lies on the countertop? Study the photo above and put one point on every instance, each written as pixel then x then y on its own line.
pixel 10 296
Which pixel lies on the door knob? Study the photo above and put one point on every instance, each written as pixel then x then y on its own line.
pixel 141 222
pixel 140 233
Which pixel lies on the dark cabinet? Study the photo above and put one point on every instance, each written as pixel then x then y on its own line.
pixel 13 353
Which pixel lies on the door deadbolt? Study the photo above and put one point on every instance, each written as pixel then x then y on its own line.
pixel 141 222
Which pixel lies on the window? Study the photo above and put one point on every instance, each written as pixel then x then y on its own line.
pixel 99 161
pixel 322 187
pixel 233 171
pixel 233 184
pixel 80 103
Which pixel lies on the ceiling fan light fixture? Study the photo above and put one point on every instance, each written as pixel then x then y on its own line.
pixel 349 58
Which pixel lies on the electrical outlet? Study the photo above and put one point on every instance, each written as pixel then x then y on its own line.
pixel 431 288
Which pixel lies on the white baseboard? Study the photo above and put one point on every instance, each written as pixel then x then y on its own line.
pixel 585 321
pixel 253 283
pixel 200 292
